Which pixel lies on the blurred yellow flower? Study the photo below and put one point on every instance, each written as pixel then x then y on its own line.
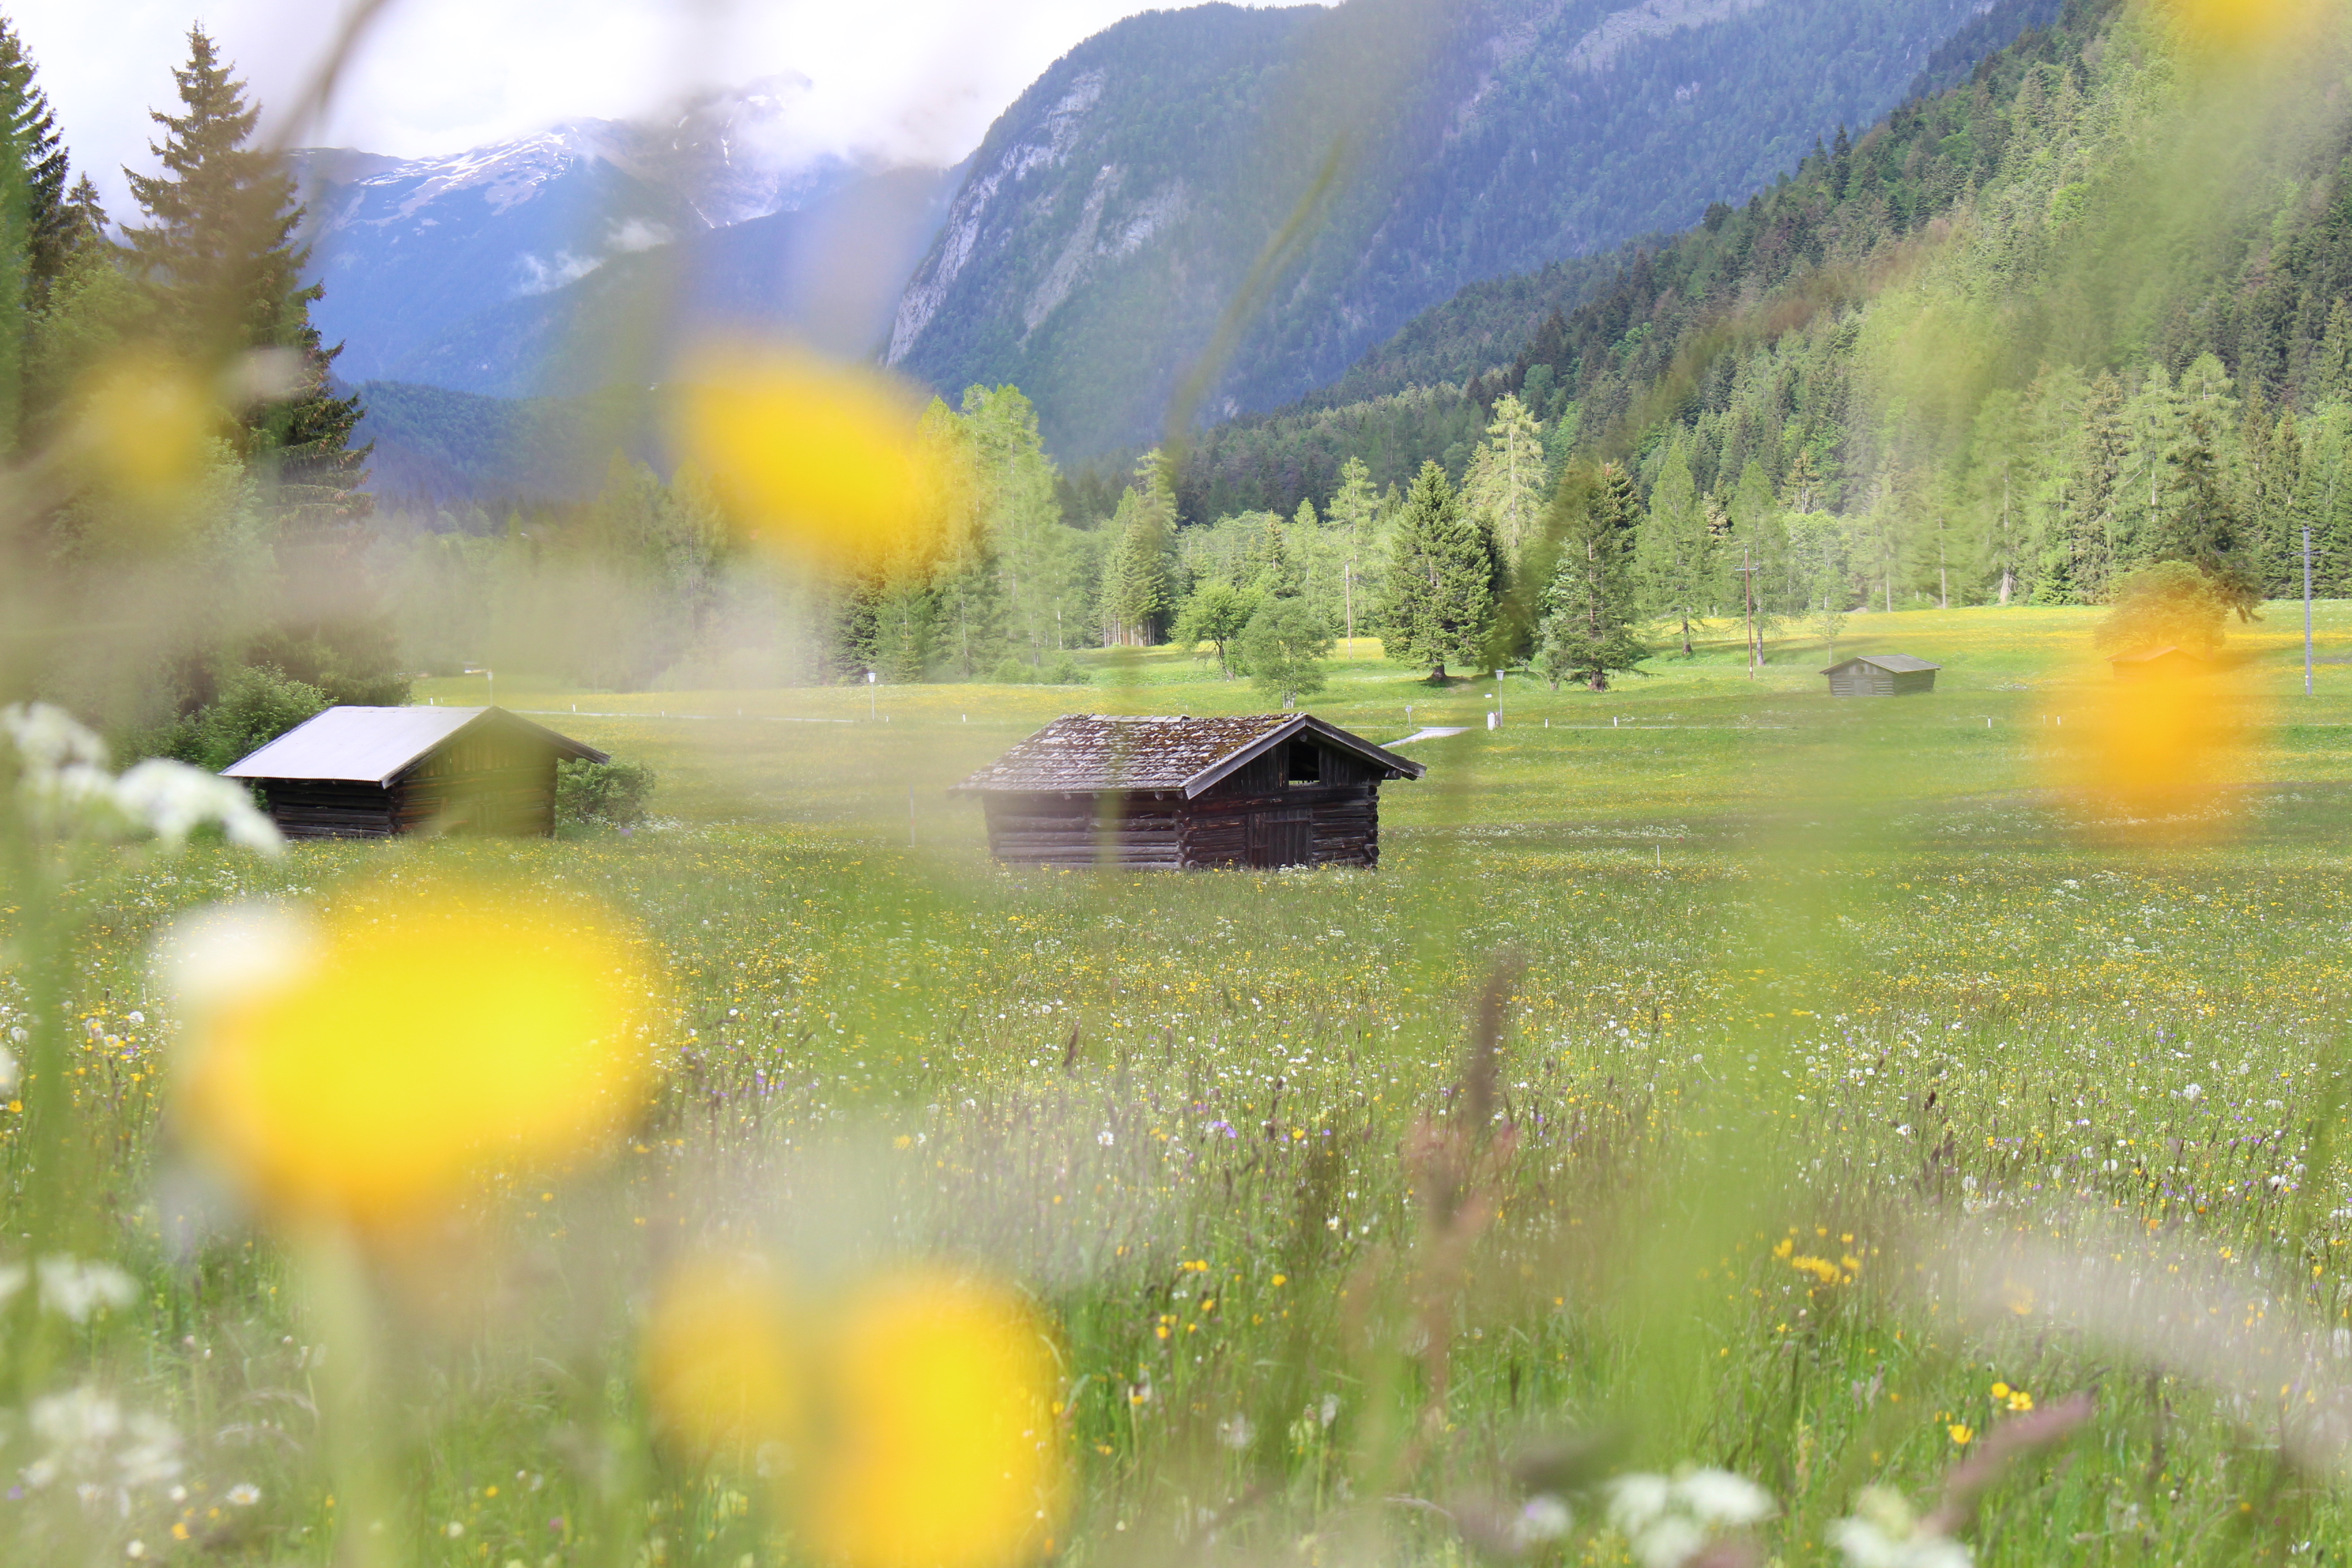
pixel 816 458
pixel 413 1040
pixel 146 425
pixel 942 1450
pixel 721 1362
pixel 2238 26
pixel 2161 748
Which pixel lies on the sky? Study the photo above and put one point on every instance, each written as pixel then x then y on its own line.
pixel 914 80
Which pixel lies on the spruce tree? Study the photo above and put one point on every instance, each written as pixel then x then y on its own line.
pixel 1589 605
pixel 2199 521
pixel 1443 578
pixel 223 276
pixel 51 223
pixel 1137 586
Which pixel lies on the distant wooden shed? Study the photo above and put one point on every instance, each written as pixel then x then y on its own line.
pixel 1881 675
pixel 2156 664
pixel 372 772
pixel 1260 791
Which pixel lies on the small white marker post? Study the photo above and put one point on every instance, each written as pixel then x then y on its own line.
pixel 869 696
pixel 2306 610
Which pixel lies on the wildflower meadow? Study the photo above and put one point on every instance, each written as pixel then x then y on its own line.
pixel 1844 1146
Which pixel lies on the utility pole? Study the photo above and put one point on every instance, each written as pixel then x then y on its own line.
pixel 1747 600
pixel 2306 609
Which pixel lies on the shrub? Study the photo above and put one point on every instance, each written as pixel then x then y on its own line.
pixel 254 705
pixel 1063 669
pixel 1283 650
pixel 601 794
pixel 1011 671
pixel 2171 603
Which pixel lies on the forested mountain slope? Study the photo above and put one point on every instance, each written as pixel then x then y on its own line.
pixel 1321 175
pixel 2087 310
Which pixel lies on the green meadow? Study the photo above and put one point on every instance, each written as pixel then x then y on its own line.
pixel 1715 1075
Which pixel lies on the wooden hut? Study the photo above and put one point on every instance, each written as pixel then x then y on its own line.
pixel 1881 675
pixel 370 772
pixel 2156 664
pixel 1260 791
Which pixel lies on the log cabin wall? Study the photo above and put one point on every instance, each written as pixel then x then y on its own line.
pixel 484 783
pixel 323 809
pixel 1089 790
pixel 1299 805
pixel 1083 828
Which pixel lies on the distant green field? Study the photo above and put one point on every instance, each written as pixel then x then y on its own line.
pixel 1833 1041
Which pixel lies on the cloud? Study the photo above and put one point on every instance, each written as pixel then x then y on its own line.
pixel 911 80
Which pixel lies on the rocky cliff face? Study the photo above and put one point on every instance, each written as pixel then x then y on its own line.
pixel 1209 212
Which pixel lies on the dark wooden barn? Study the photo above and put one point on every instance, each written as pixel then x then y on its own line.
pixel 1262 792
pixel 2156 664
pixel 1881 675
pixel 370 772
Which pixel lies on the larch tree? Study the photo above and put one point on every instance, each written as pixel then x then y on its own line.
pixel 1589 607
pixel 1354 509
pixel 1505 485
pixel 1441 581
pixel 223 273
pixel 1672 546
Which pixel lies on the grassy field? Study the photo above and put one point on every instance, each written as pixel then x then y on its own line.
pixel 1848 1100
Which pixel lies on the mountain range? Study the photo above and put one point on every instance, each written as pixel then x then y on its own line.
pixel 468 271
pixel 1213 211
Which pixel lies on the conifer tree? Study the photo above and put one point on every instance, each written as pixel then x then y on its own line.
pixel 1589 605
pixel 1761 534
pixel 1670 548
pixel 2199 521
pixel 1505 484
pixel 223 274
pixel 1137 586
pixel 1443 578
pixel 1353 508
pixel 51 223
pixel 1271 569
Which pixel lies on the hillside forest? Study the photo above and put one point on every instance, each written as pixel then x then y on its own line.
pixel 2024 338
pixel 2081 314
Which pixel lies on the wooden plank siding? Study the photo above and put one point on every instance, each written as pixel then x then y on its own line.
pixel 482 782
pixel 1255 817
pixel 1262 792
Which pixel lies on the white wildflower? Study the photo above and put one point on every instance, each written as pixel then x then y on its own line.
pixel 1235 1432
pixel 64 787
pixel 1636 1501
pixel 171 800
pixel 76 1289
pixel 1545 1518
pixel 152 1456
pixel 245 1494
pixel 1885 1533
pixel 221 954
pixel 1106 1137
pixel 1720 1497
pixel 1669 1543
pixel 77 1421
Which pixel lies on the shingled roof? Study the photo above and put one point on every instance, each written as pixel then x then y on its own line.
pixel 1087 752
pixel 1894 663
pixel 353 744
